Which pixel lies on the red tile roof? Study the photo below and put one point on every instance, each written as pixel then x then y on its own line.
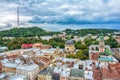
pixel 94 56
pixel 97 74
pixel 110 73
pixel 26 46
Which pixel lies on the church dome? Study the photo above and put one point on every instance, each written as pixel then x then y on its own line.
pixel 69 42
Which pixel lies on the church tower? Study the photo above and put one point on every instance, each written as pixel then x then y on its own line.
pixel 101 43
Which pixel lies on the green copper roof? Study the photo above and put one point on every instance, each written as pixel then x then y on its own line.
pixel 102 53
pixel 101 37
pixel 77 72
pixel 105 59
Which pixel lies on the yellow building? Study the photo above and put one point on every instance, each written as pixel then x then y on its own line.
pixel 44 77
pixel 9 67
pixel 69 46
pixel 46 74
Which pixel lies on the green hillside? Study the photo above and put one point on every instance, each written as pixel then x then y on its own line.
pixel 84 32
pixel 36 31
pixel 25 32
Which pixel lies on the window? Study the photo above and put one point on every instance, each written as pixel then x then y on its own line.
pixel 67 48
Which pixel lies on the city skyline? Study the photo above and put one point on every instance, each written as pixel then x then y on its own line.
pixel 61 14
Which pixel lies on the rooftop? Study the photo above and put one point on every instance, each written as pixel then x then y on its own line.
pixel 46 71
pixel 77 73
pixel 89 75
pixel 18 77
pixel 27 67
pixel 11 65
pixel 109 58
pixel 2 76
pixel 3 48
pixel 105 59
pixel 110 73
pixel 69 42
pixel 2 54
pixel 101 37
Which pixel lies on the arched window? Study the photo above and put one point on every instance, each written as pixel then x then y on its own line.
pixel 92 48
pixel 97 48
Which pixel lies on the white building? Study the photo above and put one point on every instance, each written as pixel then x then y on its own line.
pixel 18 77
pixel 3 48
pixel 31 70
pixel 46 37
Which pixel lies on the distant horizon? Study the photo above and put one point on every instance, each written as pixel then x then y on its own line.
pixel 63 29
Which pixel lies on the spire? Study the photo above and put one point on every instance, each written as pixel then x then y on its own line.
pixel 101 37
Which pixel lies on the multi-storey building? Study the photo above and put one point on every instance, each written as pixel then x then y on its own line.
pixel 9 67
pixel 96 50
pixel 18 77
pixel 46 74
pixel 31 70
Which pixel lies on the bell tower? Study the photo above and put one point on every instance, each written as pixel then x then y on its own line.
pixel 101 43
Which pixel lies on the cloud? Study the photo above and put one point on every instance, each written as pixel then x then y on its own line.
pixel 5 26
pixel 73 19
pixel 80 12
pixel 61 12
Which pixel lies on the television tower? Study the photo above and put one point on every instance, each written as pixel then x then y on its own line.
pixel 18 20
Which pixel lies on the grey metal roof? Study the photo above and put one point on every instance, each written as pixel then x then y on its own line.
pixel 77 73
pixel 69 42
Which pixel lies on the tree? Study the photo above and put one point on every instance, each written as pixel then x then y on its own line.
pixel 81 55
pixel 112 42
pixel 71 56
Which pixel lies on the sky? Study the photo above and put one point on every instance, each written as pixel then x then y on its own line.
pixel 58 15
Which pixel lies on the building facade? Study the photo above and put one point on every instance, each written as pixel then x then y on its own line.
pixel 30 70
pixel 69 47
pixel 95 50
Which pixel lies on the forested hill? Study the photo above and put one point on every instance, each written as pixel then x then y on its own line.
pixel 83 32
pixel 25 32
pixel 36 31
